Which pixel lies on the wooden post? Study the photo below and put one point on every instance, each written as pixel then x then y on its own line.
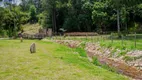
pixel 21 39
pixel 60 37
pixel 111 38
pixel 135 39
pixel 95 38
pixel 68 37
pixel 55 37
pixel 122 38
pixel 86 37
pixel 101 38
pixel 91 38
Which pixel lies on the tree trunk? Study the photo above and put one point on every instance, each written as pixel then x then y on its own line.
pixel 118 21
pixel 126 27
pixel 54 20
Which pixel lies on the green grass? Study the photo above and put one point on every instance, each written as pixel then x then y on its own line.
pixel 104 40
pixel 127 44
pixel 51 62
pixel 81 52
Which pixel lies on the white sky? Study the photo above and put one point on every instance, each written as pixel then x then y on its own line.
pixel 17 2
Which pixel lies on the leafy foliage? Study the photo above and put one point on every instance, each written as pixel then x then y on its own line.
pixel 11 20
pixel 33 17
pixel 74 15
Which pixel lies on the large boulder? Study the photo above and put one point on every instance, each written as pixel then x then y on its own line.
pixel 33 48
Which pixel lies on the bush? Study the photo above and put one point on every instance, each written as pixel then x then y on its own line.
pixel 122 53
pixel 96 61
pixel 81 52
pixel 3 34
pixel 128 58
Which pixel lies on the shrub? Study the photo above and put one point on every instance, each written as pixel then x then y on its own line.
pixel 3 33
pixel 128 58
pixel 122 53
pixel 109 45
pixel 81 52
pixel 96 61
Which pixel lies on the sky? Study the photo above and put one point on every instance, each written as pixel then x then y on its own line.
pixel 16 1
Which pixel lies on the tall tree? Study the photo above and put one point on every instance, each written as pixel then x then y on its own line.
pixel 50 6
pixel 118 4
pixel 99 15
pixel 33 17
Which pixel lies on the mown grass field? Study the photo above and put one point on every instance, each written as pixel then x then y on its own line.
pixel 51 62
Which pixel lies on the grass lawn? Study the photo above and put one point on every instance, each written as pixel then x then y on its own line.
pixel 51 62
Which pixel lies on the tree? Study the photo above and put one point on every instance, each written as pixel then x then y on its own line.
pixel 47 21
pixel 84 15
pixel 118 4
pixel 33 17
pixel 50 6
pixel 11 19
pixel 24 5
pixel 1 21
pixel 99 15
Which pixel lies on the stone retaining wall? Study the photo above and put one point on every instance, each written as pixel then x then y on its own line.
pixel 119 65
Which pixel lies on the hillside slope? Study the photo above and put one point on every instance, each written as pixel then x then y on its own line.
pixel 31 28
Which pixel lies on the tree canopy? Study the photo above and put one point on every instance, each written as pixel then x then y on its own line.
pixel 73 15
